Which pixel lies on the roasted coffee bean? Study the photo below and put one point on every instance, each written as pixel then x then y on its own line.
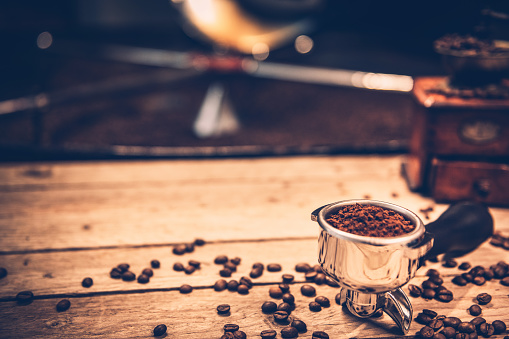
pixel 462 336
pixel 159 330
pixel 302 267
pixel 289 332
pixel 474 310
pixel 436 324
pixel 489 274
pixel 236 261
pixel 477 270
pixel 220 285
pixel 256 273
pixel 467 276
pixel 194 263
pixel 123 267
pixel 3 272
pixel 268 334
pixel 63 305
pixel 459 280
pixel 274 267
pixel 225 273
pixel 185 289
pixel 466 327
pixel 497 241
pixel 128 276
pixel 288 278
pixel 284 287
pixel 428 293
pixel 155 263
pixel 323 301
pixel 230 327
pixel 423 319
pixel 426 332
pixel 223 309
pixel 227 335
pixel 483 298
pixel 288 298
pixel 439 336
pixel 450 263
pixel 307 290
pixel 178 267
pixel 269 307
pixel 243 289
pixel 499 326
pixel 432 272
pixel 437 280
pixel 199 242
pixel 189 247
pixel 299 325
pixel 275 292
pixel 239 335
pixel 231 266
pixel 464 266
pixel 87 282
pixel 486 330
pixel 477 321
pixel 429 312
pixel 319 279
pixel 258 265
pixel 232 285
pixel 280 316
pixel 318 268
pixel 445 298
pixel 315 307
pixel 432 259
pixel 320 335
pixel 505 281
pixel 479 280
pixel 285 307
pixel 337 298
pixel 115 274
pixel 451 322
pixel 449 332
pixel 310 275
pixel 148 272
pixel 143 279
pixel 221 259
pixel 189 269
pixel 427 284
pixel 246 281
pixel 415 291
pixel 179 249
pixel 331 282
pixel 499 272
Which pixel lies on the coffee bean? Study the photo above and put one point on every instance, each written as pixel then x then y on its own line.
pixel 459 280
pixel 430 313
pixel 148 272
pixel 185 289
pixel 288 278
pixel 423 319
pixel 450 263
pixel 246 281
pixel 189 269
pixel 302 267
pixel 439 336
pixel 223 309
pixel 239 335
pixel 462 336
pixel 155 263
pixel 505 281
pixel 199 242
pixel 479 280
pixel 486 330
pixel 432 259
pixel 483 298
pixel 3 272
pixel 178 267
pixel 323 301
pixel 426 332
pixel 497 241
pixel 243 289
pixel 256 273
pixel 63 305
pixel 275 292
pixel 159 330
pixel 280 316
pixel 318 268
pixel 179 249
pixel 320 335
pixel 230 327
pixel 123 267
pixel 258 265
pixel 143 279
pixel 226 273
pixel 428 293
pixel 284 287
pixel 331 282
pixel 449 332
pixel 285 307
pixel 220 285
pixel 499 326
pixel 489 274
pixel 451 322
pixel 221 259
pixel 299 325
pixel 227 335
pixel 437 280
pixel 432 272
pixel 310 276
pixel 128 276
pixel 194 263
pixel 436 324
pixel 319 279
pixel 464 266
pixel 444 297
pixel 231 266
pixel 499 271
pixel 427 284
pixel 307 290
pixel 477 270
pixel 337 298
pixel 274 267
pixel 477 321
pixel 288 298
pixel 268 334
pixel 115 273
pixel 415 291
pixel 232 285
pixel 314 306
pixel 269 307
pixel 466 327
pixel 87 282
pixel 189 247
pixel 474 310
pixel 289 332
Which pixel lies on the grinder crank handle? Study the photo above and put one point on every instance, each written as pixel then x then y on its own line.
pixel 460 229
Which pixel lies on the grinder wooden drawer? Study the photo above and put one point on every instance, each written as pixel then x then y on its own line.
pixel 481 181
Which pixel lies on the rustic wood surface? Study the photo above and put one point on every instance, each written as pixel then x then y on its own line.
pixel 61 222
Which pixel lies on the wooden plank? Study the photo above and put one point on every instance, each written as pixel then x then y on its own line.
pixel 194 315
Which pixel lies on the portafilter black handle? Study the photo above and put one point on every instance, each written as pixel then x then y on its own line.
pixel 460 229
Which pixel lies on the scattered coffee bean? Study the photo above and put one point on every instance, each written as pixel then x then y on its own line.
pixel 427 284
pixel 246 281
pixel 199 242
pixel 444 297
pixel 227 335
pixel 269 307
pixel 451 322
pixel 426 332
pixel 288 278
pixel 178 267
pixel 159 330
pixel 299 325
pixel 307 290
pixel 486 330
pixel 320 335
pixel 275 292
pixel 148 272
pixel 483 298
pixel 464 266
pixel 466 327
pixel 280 316
pixel 115 273
pixel 274 267
pixel 226 273
pixel 499 326
pixel 258 265
pixel 489 274
pixel 314 306
pixel 155 263
pixel 268 334
pixel 423 319
pixel 450 263
pixel 302 267
pixel 220 285
pixel 337 298
pixel 289 332
pixel 430 313
pixel 310 275
pixel 479 280
pixel 256 273
pixel 236 261
pixel 189 269
pixel 439 336
pixel 243 289
pixel 285 307
pixel 185 289
pixel 231 327
pixel 459 280
pixel 221 259
pixel 477 321
pixel 331 282
pixel 474 310
pixel 128 276
pixel 449 332
pixel 436 324
pixel 143 279
pixel 3 272
pixel 123 267
pixel 232 285
pixel 179 249
pixel 223 309
pixel 432 259
pixel 468 277
pixel 284 287
pixel 428 293
pixel 319 279
pixel 288 298
pixel 239 335
pixel 63 305
pixel 231 266
pixel 87 282
pixel 437 280
pixel 194 263
pixel 505 281
pixel 432 272
pixel 189 247
pixel 323 301
pixel 415 291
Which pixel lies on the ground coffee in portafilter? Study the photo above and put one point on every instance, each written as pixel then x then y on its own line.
pixel 370 221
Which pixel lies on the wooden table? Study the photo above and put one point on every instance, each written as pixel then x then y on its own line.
pixel 62 222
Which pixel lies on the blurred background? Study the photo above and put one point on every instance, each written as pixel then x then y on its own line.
pixel 192 78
